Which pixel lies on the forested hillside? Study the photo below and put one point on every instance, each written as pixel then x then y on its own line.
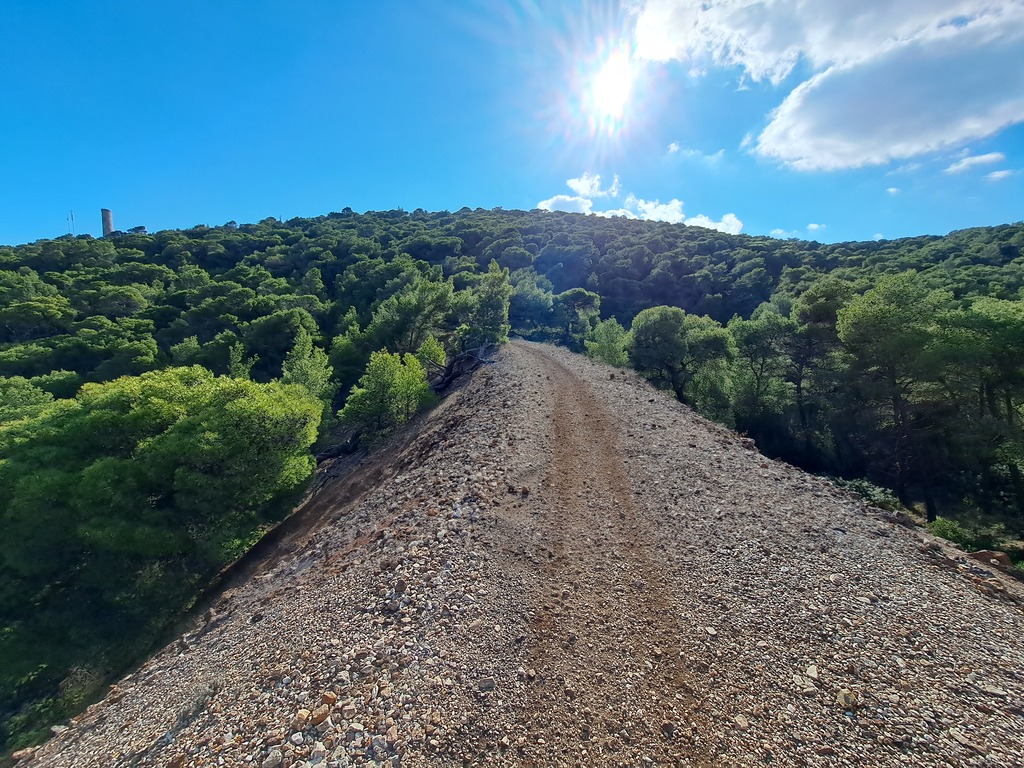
pixel 161 394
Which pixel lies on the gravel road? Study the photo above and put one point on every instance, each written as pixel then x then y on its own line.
pixel 561 566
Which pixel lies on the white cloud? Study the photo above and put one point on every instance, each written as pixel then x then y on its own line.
pixel 998 175
pixel 729 223
pixel 624 213
pixel 971 161
pixel 893 190
pixel 672 211
pixel 673 148
pixel 589 185
pixel 879 236
pixel 815 227
pixel 886 80
pixel 783 234
pixel 566 203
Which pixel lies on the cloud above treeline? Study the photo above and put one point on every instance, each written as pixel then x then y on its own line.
pixel 588 187
pixel 885 81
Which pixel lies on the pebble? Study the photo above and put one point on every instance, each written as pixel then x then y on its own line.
pixel 383 635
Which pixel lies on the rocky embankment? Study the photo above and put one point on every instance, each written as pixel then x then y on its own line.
pixel 565 567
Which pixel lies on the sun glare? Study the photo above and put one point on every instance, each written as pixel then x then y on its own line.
pixel 612 85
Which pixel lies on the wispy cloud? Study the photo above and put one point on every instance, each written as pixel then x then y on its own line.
pixel 815 227
pixel 905 168
pixel 999 175
pixel 695 154
pixel 902 80
pixel 971 161
pixel 893 190
pixel 783 234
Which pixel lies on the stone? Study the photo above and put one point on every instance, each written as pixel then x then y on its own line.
pixel 848 699
pixel 987 556
pixel 966 742
pixel 274 759
pixel 297 739
pixel 348 711
pixel 23 754
pixel 318 753
pixel 711 631
pixel 812 671
pixel 486 684
pixel 300 720
pixel 993 691
pixel 320 714
pixel 330 698
pixel 741 722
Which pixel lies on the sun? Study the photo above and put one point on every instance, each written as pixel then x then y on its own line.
pixel 612 85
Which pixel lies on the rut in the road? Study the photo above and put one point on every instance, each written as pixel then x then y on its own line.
pixel 603 652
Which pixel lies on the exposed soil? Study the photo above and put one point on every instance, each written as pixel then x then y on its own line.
pixel 566 567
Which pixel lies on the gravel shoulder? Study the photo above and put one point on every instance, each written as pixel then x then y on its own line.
pixel 564 566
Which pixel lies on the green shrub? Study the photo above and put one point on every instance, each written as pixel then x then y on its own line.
pixel 391 391
pixel 874 495
pixel 950 530
pixel 969 537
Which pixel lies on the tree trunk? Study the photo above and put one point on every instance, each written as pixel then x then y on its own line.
pixel 905 435
pixel 1018 487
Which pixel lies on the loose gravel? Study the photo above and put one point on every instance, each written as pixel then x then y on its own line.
pixel 562 566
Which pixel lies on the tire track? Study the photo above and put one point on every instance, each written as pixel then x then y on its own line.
pixel 603 656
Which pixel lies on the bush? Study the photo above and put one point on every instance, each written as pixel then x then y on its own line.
pixel 607 342
pixel 950 530
pixel 969 537
pixel 393 388
pixel 874 495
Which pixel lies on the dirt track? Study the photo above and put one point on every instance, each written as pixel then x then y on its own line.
pixel 564 567
pixel 602 656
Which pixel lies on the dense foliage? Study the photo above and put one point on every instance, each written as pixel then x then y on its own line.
pixel 159 394
pixel 159 399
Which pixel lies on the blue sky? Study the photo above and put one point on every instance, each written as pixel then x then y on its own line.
pixel 822 119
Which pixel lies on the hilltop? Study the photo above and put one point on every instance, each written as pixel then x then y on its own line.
pixel 563 566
